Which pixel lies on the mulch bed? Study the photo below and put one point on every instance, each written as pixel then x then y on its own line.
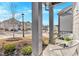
pixel 14 39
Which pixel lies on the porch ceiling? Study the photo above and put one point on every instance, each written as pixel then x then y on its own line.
pixel 51 4
pixel 54 3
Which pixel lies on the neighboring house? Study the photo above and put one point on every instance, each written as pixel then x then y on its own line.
pixel 12 23
pixel 65 18
pixel 45 28
pixel 27 26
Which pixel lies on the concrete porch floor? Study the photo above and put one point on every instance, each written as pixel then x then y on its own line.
pixel 56 50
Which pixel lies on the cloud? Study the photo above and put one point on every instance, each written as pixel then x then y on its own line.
pixel 29 11
pixel 3 11
pixel 4 14
pixel 4 17
pixel 17 14
pixel 25 12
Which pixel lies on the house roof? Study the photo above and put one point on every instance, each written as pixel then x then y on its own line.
pixel 65 10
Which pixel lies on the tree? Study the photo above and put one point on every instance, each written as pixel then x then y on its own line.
pixel 13 11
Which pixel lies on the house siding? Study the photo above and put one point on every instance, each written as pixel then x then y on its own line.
pixel 66 23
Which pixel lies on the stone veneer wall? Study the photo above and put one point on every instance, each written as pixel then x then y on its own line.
pixel 75 21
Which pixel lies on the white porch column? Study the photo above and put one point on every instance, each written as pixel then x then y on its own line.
pixel 58 24
pixel 36 28
pixel 51 25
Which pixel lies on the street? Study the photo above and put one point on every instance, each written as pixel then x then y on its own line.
pixel 8 34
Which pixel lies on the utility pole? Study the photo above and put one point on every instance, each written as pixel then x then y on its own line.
pixel 23 23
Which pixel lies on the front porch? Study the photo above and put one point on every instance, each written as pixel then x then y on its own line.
pixel 53 48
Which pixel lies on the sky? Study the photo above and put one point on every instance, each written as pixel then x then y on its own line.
pixel 26 8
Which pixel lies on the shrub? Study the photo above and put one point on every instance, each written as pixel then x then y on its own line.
pixel 27 50
pixel 6 29
pixel 45 41
pixel 9 49
pixel 67 39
